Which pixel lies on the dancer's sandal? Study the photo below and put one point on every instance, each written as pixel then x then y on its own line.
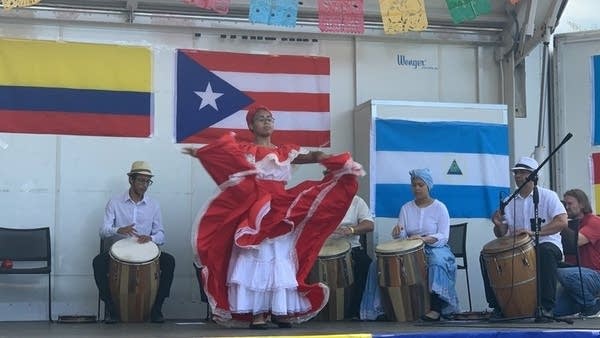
pixel 281 324
pixel 430 317
pixel 259 326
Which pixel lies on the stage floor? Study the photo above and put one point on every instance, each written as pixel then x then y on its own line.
pixel 480 329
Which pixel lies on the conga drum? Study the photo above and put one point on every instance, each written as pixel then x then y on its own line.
pixel 133 277
pixel 334 268
pixel 510 264
pixel 402 275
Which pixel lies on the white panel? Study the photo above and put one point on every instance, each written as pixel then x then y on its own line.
pixel 397 71
pixel 458 75
pixel 573 104
pixel 76 239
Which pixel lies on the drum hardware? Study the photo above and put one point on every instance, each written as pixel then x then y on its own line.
pixel 536 224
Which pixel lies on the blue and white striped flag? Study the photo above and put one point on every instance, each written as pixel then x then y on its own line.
pixel 468 161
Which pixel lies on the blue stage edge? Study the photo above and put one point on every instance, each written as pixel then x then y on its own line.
pixel 496 334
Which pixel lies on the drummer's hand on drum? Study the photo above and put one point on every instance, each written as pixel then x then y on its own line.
pixel 343 231
pixel 497 218
pixel 144 239
pixel 397 230
pixel 524 231
pixel 128 230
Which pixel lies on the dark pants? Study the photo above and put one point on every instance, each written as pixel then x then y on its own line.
pixel 167 266
pixel 360 269
pixel 550 256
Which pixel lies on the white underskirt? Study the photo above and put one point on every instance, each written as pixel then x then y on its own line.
pixel 264 279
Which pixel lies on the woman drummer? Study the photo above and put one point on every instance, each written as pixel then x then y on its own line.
pixel 427 219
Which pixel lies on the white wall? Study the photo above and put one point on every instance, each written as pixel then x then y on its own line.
pixel 64 181
pixel 574 102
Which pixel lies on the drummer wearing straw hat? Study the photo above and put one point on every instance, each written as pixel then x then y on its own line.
pixel 134 214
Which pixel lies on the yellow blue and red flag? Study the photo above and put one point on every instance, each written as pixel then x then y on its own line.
pixel 49 87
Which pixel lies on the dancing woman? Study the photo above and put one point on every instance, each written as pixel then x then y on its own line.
pixel 256 241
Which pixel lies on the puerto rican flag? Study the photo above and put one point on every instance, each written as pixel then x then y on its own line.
pixel 214 90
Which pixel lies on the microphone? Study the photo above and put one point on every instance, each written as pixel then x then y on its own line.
pixel 568 137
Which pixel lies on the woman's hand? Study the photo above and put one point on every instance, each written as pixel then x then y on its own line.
pixel 189 151
pixel 397 230
pixel 429 239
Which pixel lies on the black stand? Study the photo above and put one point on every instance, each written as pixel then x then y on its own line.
pixel 536 224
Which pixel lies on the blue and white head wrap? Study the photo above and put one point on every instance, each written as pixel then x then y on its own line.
pixel 423 174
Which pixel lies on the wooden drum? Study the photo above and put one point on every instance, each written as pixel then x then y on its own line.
pixel 510 264
pixel 334 268
pixel 402 270
pixel 133 276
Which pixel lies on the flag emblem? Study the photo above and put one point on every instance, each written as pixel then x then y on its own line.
pixel 454 169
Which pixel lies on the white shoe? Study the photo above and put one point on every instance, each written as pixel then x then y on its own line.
pixel 571 316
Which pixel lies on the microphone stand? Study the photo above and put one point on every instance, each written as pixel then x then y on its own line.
pixel 536 224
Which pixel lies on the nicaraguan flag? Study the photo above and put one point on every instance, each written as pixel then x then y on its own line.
pixel 468 160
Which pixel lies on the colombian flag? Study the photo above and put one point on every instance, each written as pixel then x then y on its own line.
pixel 49 87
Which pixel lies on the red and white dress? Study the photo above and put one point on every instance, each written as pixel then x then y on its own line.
pixel 257 241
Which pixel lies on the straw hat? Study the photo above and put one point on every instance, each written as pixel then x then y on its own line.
pixel 141 168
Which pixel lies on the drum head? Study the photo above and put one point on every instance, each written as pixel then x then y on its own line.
pixel 399 245
pixel 506 243
pixel 334 247
pixel 130 251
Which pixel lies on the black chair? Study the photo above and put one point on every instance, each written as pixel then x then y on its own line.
pixel 28 246
pixel 102 248
pixel 458 245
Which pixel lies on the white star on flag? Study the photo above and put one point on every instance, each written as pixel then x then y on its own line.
pixel 208 97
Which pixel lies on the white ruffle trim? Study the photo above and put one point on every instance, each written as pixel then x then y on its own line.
pixel 264 279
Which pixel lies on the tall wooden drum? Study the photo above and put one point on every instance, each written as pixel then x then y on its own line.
pixel 510 264
pixel 402 270
pixel 133 275
pixel 334 268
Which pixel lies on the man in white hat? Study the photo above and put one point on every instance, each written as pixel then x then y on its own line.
pixel 516 218
pixel 133 213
